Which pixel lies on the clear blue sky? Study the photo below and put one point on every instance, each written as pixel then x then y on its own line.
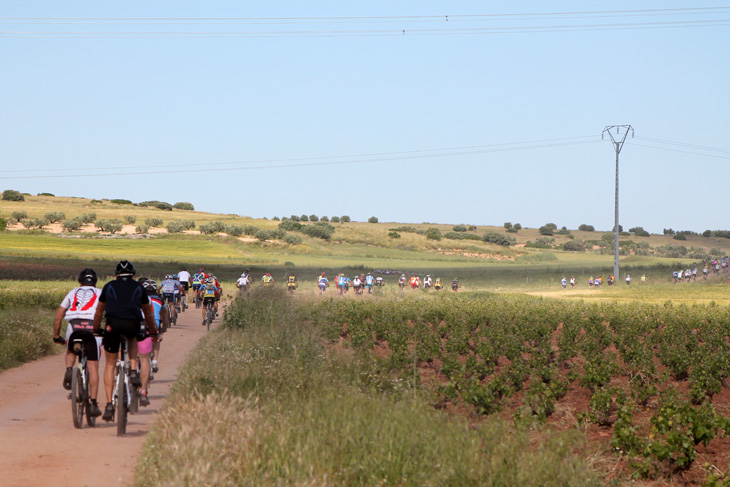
pixel 489 116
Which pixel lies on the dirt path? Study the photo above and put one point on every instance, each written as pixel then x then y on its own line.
pixel 40 445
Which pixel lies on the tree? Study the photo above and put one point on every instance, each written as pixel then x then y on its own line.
pixel 459 228
pixel 498 238
pixel 304 218
pixel 130 219
pixel 313 218
pixel 345 219
pixel 639 232
pixel 707 233
pixel 373 219
pixel 175 227
pixel 183 205
pixel 325 219
pixel 546 230
pixel 574 246
pixel 72 224
pixel 507 225
pixel 19 215
pixel 112 225
pixel 433 233
pixel 153 222
pixel 517 226
pixel 12 195
pixel 586 228
pixel 668 231
pixel 55 216
pixel 335 219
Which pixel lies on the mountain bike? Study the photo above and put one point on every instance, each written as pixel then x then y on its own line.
pixel 209 313
pixel 80 399
pixel 122 397
pixel 184 301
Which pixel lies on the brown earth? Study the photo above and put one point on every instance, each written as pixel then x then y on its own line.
pixel 40 445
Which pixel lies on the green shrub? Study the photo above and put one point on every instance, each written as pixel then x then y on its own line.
pixel 459 228
pixel 19 215
pixel 324 219
pixel 175 226
pixel 461 236
pixel 517 226
pixel 263 235
pixel 276 218
pixel 12 195
pixel 27 223
pixel 512 230
pixel 574 246
pixel 507 225
pixel 345 219
pixel 213 227
pixel 188 224
pixel 334 219
pixel 55 216
pixel 130 219
pixel 472 228
pixel 153 222
pixel 142 229
pixel 292 239
pixel 111 225
pixel 707 233
pixel 546 230
pixel 498 238
pixel 72 224
pixel 394 234
pixel 96 202
pixel 294 218
pixel 373 219
pixel 88 218
pixel 278 234
pixel 40 222
pixel 290 226
pixel 639 232
pixel 586 228
pixel 304 218
pixel 121 202
pixel 234 230
pixel 679 236
pixel 433 233
pixel 250 230
pixel 319 230
pixel 3 224
pixel 46 194
pixel 182 205
pixel 156 204
pixel 313 218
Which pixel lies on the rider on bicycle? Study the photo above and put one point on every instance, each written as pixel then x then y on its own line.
pixel 291 282
pixel 123 302
pixel 244 282
pixel 267 279
pixel 145 343
pixel 169 287
pixel 207 294
pixel 78 308
pixel 323 283
pixel 369 281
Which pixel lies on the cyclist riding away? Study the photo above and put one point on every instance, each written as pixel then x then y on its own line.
pixel 323 283
pixel 168 287
pixel 427 281
pixel 291 283
pixel 78 308
pixel 379 281
pixel 438 285
pixel 267 279
pixel 244 282
pixel 455 285
pixel 207 294
pixel 122 302
pixel 145 342
pixel 402 281
pixel 369 281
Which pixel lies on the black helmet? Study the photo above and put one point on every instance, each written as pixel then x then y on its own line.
pixel 87 277
pixel 150 286
pixel 125 269
pixel 142 279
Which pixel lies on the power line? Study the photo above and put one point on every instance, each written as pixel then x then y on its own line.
pixel 681 151
pixel 204 168
pixel 683 144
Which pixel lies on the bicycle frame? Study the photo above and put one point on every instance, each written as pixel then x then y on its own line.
pixel 122 398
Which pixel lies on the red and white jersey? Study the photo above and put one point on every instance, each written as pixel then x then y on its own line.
pixel 81 303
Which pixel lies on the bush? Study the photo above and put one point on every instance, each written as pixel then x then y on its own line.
pixel 639 232
pixel 574 246
pixel 121 202
pixel 234 230
pixel 304 218
pixel 183 205
pixel 345 219
pixel 188 224
pixel 27 223
pixel 517 226
pixel 55 216
pixel 3 224
pixel 498 238
pixel 324 219
pixel 319 230
pixel 507 225
pixel 142 229
pixel 153 222
pixel 276 218
pixel 373 219
pixel 12 195
pixel 459 228
pixel 313 218
pixel 278 234
pixel 46 194
pixel 130 219
pixel 546 230
pixel 96 202
pixel 212 227
pixel 433 233
pixel 294 218
pixel 586 228
pixel 112 225
pixel 156 204
pixel 88 218
pixel 40 222
pixel 512 230
pixel 175 227
pixel 394 234
pixel 461 236
pixel 335 219
pixel 263 235
pixel 292 239
pixel 679 236
pixel 19 215
pixel 563 231
pixel 290 225
pixel 250 230
pixel 707 233
pixel 72 224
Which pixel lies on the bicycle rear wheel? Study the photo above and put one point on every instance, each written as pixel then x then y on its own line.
pixel 134 402
pixel 121 405
pixel 90 420
pixel 77 398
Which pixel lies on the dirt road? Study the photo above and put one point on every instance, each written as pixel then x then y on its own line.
pixel 39 445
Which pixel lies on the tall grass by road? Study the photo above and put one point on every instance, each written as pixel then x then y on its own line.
pixel 265 401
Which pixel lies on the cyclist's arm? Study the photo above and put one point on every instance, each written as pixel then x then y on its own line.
pixel 149 318
pixel 98 315
pixel 60 313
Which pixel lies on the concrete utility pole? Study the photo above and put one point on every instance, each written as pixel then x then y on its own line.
pixel 621 132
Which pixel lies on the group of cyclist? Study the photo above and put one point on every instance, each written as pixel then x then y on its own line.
pixel 415 283
pixel 140 310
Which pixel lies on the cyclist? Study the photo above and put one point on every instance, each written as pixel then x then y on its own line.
pixel 357 284
pixel 438 285
pixel 379 281
pixel 628 279
pixel 78 308
pixel 185 279
pixel 291 283
pixel 168 288
pixel 572 282
pixel 564 282
pixel 244 282
pixel 162 318
pixel 179 292
pixel 198 279
pixel 207 294
pixel 369 281
pixel 455 285
pixel 267 279
pixel 323 283
pixel 427 281
pixel 123 302
pixel 146 344
pixel 402 281
pixel 341 283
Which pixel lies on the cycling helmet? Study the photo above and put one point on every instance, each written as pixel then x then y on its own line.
pixel 209 280
pixel 87 277
pixel 142 279
pixel 323 274
pixel 174 276
pixel 183 269
pixel 168 276
pixel 150 286
pixel 246 271
pixel 125 269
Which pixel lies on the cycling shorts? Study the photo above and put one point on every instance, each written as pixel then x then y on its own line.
pixel 196 286
pixel 144 346
pixel 185 285
pixel 168 297
pixel 90 343
pixel 207 300
pixel 322 286
pixel 115 328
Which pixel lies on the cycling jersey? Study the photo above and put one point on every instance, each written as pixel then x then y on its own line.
pixel 369 280
pixel 323 281
pixel 198 278
pixel 267 280
pixel 81 302
pixel 209 290
pixel 183 277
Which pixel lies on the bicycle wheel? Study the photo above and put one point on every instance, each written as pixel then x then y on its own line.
pixel 121 405
pixel 77 398
pixel 209 315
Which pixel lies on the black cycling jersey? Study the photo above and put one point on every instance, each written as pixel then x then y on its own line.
pixel 124 298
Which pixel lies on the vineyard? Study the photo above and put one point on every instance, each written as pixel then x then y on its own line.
pixel 650 379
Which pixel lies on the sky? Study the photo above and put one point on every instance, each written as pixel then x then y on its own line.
pixel 475 112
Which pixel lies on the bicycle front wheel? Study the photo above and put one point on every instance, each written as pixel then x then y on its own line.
pixel 77 398
pixel 121 405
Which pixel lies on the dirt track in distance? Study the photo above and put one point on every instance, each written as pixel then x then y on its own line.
pixel 40 445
